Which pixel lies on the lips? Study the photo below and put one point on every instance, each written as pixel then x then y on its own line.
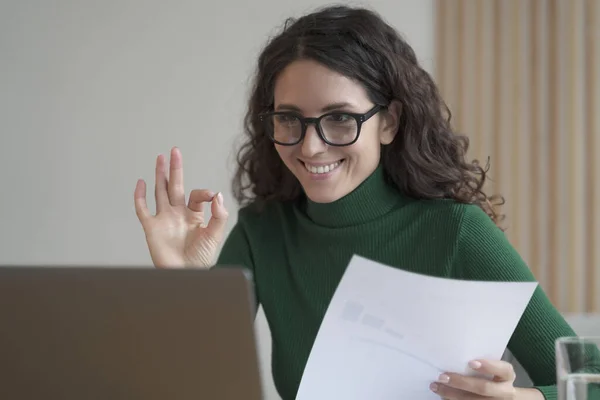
pixel 322 168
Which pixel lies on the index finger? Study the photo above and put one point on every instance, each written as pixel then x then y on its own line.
pixel 197 199
pixel 498 368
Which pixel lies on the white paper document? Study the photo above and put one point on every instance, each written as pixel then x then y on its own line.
pixel 388 333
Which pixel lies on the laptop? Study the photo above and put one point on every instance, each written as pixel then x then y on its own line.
pixel 127 333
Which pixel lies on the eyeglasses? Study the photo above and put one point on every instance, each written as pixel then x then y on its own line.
pixel 335 128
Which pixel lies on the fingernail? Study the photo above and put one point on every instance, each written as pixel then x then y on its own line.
pixel 444 378
pixel 219 199
pixel 433 387
pixel 475 364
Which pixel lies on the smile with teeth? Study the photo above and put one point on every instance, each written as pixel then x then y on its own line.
pixel 322 169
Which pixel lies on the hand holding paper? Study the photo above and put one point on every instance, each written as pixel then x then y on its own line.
pixel 389 334
pixel 457 386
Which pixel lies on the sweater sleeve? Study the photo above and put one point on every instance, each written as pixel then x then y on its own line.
pixel 236 252
pixel 484 253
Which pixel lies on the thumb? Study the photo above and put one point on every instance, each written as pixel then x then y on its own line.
pixel 218 219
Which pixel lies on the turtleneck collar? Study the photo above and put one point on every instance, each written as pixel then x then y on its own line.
pixel 372 199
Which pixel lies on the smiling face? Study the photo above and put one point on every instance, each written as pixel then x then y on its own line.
pixel 328 173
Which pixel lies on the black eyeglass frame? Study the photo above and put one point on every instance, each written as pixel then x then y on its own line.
pixel 304 122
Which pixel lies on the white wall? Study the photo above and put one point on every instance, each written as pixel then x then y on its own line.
pixel 92 91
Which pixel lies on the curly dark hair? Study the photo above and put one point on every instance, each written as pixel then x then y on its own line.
pixel 426 159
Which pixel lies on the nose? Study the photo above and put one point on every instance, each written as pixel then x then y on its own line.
pixel 312 143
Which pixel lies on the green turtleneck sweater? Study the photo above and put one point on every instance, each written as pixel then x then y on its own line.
pixel 298 252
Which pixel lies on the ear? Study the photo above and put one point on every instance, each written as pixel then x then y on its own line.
pixel 390 122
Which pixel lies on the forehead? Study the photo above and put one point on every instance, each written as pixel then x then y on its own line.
pixel 310 86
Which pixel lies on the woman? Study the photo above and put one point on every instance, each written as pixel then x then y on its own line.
pixel 349 151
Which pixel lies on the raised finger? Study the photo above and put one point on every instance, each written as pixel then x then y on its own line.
pixel 160 186
pixel 176 190
pixel 197 199
pixel 139 198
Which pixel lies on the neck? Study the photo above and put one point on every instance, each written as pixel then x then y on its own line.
pixel 372 199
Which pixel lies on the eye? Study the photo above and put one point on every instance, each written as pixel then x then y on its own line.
pixel 286 119
pixel 282 118
pixel 339 118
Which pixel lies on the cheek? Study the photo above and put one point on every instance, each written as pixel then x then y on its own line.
pixel 363 157
pixel 367 147
pixel 285 153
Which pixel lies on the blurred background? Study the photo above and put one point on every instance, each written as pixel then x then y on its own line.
pixel 92 91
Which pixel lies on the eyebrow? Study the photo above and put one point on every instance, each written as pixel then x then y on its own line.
pixel 329 107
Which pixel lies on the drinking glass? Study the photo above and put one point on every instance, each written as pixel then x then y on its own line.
pixel 578 368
